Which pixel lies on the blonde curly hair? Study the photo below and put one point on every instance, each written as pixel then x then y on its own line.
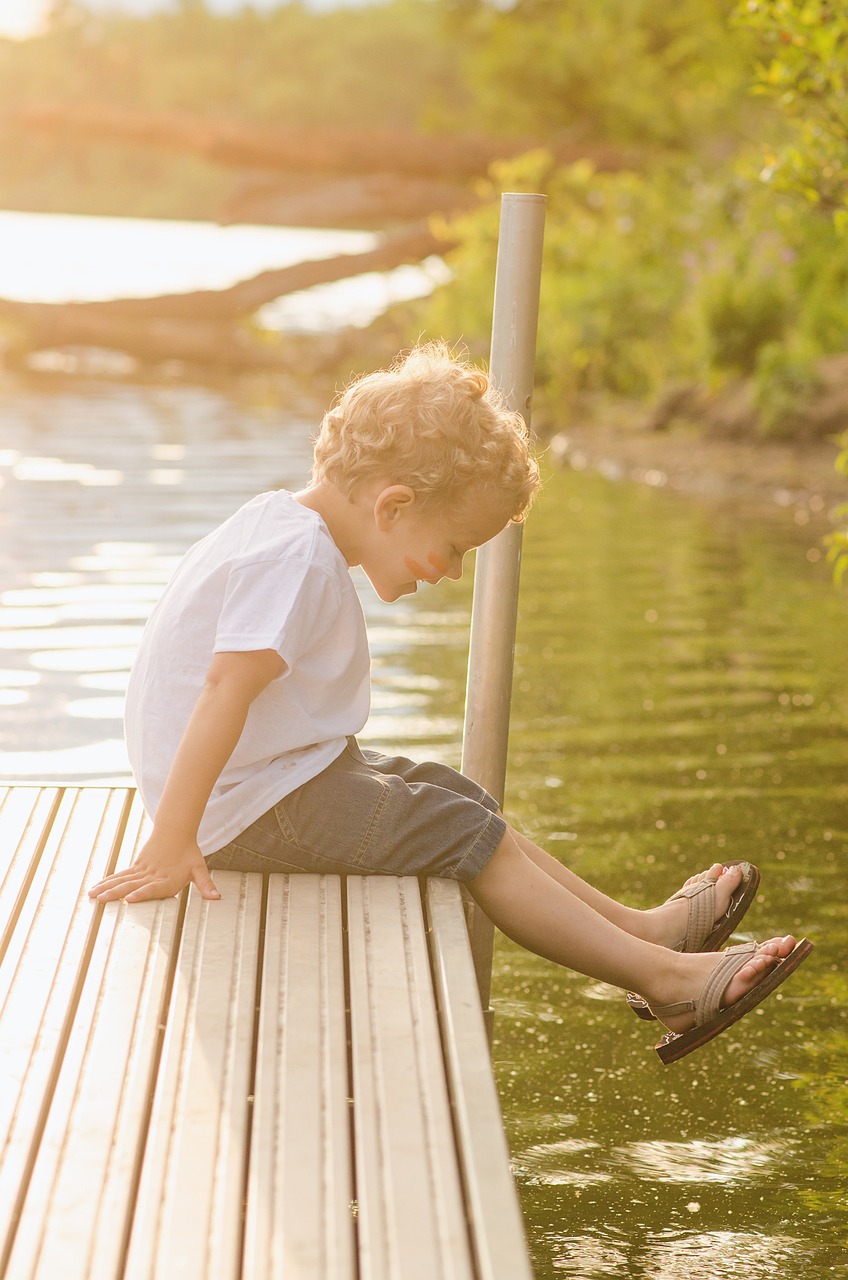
pixel 431 421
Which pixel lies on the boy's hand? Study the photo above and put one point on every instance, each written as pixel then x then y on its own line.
pixel 160 871
pixel 171 858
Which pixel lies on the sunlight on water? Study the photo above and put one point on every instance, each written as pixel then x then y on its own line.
pixel 69 257
pixel 729 1159
pixel 51 257
pixel 357 301
pixel 104 761
pixel 716 1255
pixel 722 1255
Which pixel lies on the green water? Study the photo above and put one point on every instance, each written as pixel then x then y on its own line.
pixel 681 697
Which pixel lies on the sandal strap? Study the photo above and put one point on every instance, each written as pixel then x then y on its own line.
pixel 732 960
pixel 701 921
pixel 708 1004
pixel 669 1010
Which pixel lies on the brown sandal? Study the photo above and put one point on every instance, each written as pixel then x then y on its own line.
pixel 710 1018
pixel 703 931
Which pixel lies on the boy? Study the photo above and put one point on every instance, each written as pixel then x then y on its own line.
pixel 252 680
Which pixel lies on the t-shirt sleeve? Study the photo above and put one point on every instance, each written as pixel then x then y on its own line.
pixel 285 605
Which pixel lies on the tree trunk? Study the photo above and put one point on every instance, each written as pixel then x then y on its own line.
pixel 368 201
pixel 292 148
pixel 201 327
pixel 246 297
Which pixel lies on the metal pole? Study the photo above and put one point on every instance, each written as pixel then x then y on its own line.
pixel 495 609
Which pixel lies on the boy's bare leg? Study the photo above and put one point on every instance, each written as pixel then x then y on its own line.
pixel 664 925
pixel 537 911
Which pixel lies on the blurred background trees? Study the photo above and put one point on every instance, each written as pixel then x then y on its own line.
pixel 703 270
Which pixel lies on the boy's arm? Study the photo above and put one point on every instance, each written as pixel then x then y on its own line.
pixel 171 858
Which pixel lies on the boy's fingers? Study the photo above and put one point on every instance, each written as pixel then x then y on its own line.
pixel 111 895
pixel 148 891
pixel 132 874
pixel 126 887
pixel 205 885
pixel 116 882
pixel 108 883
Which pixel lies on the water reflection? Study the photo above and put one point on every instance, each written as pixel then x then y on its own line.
pixel 717 1255
pixel 722 1255
pixel 682 669
pixel 730 1159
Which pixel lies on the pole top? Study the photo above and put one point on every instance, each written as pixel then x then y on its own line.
pixel 530 197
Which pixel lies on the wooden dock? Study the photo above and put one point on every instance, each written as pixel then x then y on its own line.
pixel 292 1083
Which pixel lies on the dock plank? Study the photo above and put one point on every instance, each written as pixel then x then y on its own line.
pixel 491 1197
pixel 26 815
pixel 80 1200
pixel 40 977
pixel 300 1187
pixel 410 1211
pixel 190 1201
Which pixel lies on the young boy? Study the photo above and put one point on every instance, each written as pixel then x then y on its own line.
pixel 252 680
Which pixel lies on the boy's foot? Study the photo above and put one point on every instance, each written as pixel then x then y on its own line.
pixel 702 915
pixel 728 987
pixel 696 918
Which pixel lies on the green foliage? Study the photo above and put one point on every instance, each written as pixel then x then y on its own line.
pixel 744 304
pixel 837 542
pixel 377 66
pixel 612 275
pixel 693 268
pixel 785 378
pixel 624 71
pixel 648 279
pixel 804 70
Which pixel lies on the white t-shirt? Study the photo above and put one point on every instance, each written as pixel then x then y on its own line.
pixel 270 577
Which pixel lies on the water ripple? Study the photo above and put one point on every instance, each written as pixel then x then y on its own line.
pixel 728 1160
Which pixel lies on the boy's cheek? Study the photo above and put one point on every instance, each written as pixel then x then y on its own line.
pixel 437 569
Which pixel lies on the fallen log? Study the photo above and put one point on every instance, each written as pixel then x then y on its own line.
pixel 292 148
pixel 371 200
pixel 151 341
pixel 204 327
pixel 246 297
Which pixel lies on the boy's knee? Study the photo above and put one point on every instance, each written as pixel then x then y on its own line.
pixel 505 861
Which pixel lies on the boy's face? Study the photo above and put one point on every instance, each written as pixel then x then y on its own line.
pixel 413 546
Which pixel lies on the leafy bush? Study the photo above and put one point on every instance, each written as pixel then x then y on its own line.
pixel 612 280
pixel 632 72
pixel 744 302
pixel 804 70
pixel 785 379
pixel 674 275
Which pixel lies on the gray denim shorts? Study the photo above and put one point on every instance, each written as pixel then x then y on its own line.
pixel 370 814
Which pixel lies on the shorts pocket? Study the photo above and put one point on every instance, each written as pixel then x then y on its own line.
pixel 336 816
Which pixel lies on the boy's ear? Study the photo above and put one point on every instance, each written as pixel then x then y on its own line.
pixel 391 504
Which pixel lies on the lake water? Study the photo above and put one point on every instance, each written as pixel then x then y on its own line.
pixel 46 257
pixel 681 696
